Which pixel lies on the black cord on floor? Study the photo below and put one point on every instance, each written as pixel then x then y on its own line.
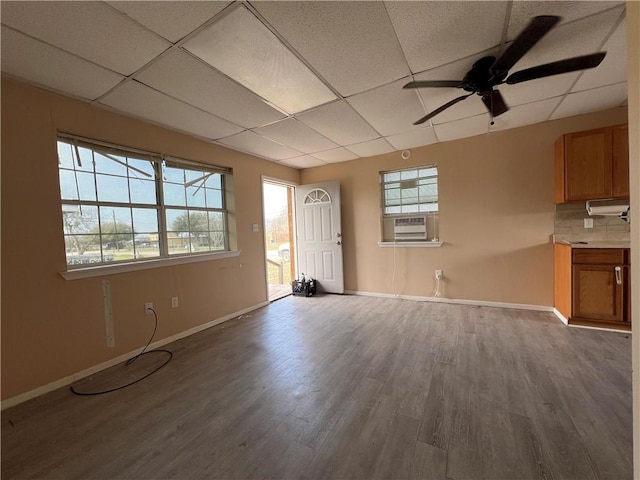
pixel 133 359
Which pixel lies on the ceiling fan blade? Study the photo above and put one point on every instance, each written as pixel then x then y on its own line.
pixel 556 68
pixel 495 103
pixel 433 83
pixel 441 109
pixel 537 28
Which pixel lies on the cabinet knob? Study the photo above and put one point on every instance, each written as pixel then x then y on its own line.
pixel 618 270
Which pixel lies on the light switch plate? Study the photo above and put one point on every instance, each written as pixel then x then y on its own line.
pixel 255 228
pixel 588 223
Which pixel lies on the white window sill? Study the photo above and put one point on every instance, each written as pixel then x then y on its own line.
pixel 429 244
pixel 102 270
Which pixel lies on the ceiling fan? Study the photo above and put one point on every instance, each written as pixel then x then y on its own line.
pixel 489 72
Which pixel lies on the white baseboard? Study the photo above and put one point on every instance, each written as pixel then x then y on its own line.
pixel 562 318
pixel 23 397
pixel 480 303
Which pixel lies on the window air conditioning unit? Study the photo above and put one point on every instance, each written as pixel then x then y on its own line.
pixel 410 228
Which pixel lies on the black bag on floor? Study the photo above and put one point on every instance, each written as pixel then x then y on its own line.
pixel 304 287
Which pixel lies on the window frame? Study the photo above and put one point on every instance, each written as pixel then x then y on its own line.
pixel 158 163
pixel 432 217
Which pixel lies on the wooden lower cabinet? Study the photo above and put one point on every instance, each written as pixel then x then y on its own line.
pixel 592 286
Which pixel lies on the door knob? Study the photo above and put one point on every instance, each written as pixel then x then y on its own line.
pixel 338 242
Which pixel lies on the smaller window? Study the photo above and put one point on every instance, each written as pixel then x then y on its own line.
pixel 411 192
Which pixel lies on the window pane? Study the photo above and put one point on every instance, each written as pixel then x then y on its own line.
pixel 175 175
pixel 86 158
pixel 145 166
pixel 197 176
pixel 77 220
pixel 409 208
pixel 198 222
pixel 68 190
pixel 214 181
pixel 216 221
pixel 82 249
pixel 112 189
pixel 177 220
pixel 408 174
pixel 195 196
pixel 142 191
pixel 117 248
pixel 65 156
pixel 145 220
pixel 391 177
pixel 428 172
pixel 105 164
pixel 174 195
pixel 217 241
pixel 214 198
pixel 392 210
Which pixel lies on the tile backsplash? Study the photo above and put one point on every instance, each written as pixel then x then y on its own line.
pixel 569 225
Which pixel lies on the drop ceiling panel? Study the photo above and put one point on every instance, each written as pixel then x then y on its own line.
pixel 523 12
pixel 340 154
pixel 389 109
pixel 37 62
pixel 378 146
pixel 413 138
pixel 351 44
pixel 139 100
pixel 592 100
pixel 526 114
pixel 184 77
pixel 467 127
pixel 304 161
pixel 240 46
pixel 115 42
pixel 577 38
pixel 260 146
pixel 172 20
pixel 613 68
pixel 297 135
pixel 338 122
pixel 527 92
pixel 435 33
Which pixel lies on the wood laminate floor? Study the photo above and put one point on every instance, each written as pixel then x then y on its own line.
pixel 349 387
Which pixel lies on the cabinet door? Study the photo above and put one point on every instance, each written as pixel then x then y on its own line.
pixel 620 161
pixel 588 164
pixel 596 293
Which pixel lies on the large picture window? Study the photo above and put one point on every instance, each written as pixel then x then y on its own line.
pixel 121 205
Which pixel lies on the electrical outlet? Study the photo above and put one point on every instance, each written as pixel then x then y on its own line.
pixel 439 274
pixel 148 308
pixel 588 223
pixel 174 302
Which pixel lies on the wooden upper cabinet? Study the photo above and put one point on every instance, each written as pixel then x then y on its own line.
pixel 592 165
pixel 620 161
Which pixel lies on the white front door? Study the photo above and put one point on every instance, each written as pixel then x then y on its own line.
pixel 320 235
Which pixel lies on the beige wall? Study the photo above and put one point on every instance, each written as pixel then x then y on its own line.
pixel 52 328
pixel 633 72
pixel 496 216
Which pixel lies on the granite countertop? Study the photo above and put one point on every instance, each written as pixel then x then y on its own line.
pixel 597 244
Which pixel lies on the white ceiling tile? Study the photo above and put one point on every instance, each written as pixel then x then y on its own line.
pixel 240 46
pixel 570 40
pixel 378 146
pixel 389 109
pixel 467 127
pixel 297 135
pixel 338 122
pixel 304 161
pixel 592 100
pixel 435 33
pixel 139 100
pixel 523 11
pixel 525 114
pixel 613 68
pixel 413 138
pixel 45 65
pixel 527 92
pixel 114 42
pixel 260 146
pixel 184 77
pixel 340 154
pixel 351 44
pixel 172 20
